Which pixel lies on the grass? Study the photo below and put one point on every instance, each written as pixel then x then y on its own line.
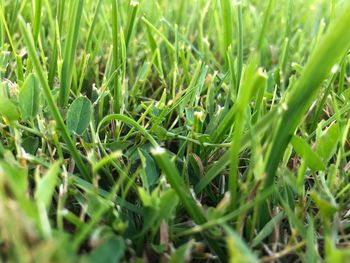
pixel 174 131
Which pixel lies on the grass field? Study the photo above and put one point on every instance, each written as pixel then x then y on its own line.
pixel 174 131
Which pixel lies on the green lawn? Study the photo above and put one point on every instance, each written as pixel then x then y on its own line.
pixel 174 131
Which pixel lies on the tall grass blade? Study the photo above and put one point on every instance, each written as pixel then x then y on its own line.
pixel 226 12
pixel 37 19
pixel 70 48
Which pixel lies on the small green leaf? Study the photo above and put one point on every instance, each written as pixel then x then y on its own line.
pixel 326 207
pixel 145 197
pixel 312 159
pixel 311 247
pixel 8 109
pixel 328 142
pixel 29 97
pixel 149 174
pixel 159 249
pixel 336 255
pixel 111 250
pixel 237 248
pixel 168 203
pixel 78 116
pixel 183 253
pixel 46 185
pixel 30 144
pixel 267 229
pixel 16 177
pixel 295 222
pixel 117 145
pixel 94 203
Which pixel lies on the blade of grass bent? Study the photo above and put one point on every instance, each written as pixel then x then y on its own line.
pixel 130 122
pixel 334 45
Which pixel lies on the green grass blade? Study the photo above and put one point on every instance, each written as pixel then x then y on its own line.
pixel 117 96
pixel 264 25
pixel 226 12
pixel 70 48
pixel 37 18
pixel 134 6
pixel 240 44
